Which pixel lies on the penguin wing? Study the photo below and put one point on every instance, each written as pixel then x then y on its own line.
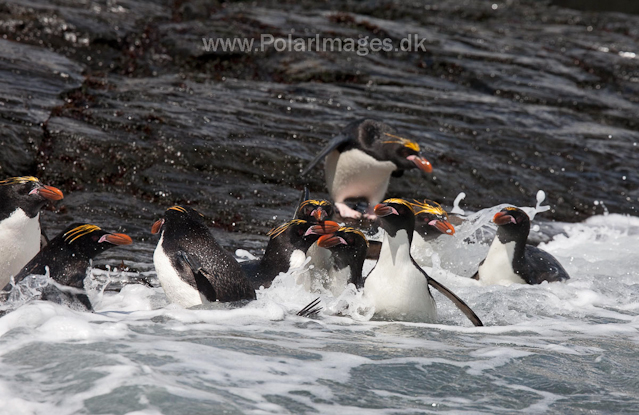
pixel 452 297
pixel 306 195
pixel 332 145
pixel 202 277
pixel 546 267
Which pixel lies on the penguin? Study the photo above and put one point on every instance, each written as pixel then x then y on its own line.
pixel 346 249
pixel 397 286
pixel 431 222
pixel 68 257
pixel 314 210
pixel 183 231
pixel 21 199
pixel 287 248
pixel 511 260
pixel 361 160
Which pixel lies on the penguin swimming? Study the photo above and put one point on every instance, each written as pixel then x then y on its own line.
pixel 361 160
pixel 68 257
pixel 21 199
pixel 431 222
pixel 342 262
pixel 287 248
pixel 397 285
pixel 183 232
pixel 314 210
pixel 511 260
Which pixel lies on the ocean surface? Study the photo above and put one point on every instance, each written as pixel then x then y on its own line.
pixel 553 348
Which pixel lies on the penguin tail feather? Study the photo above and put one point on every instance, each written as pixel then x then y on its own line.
pixel 311 310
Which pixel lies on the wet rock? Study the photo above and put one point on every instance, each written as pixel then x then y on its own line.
pixel 122 99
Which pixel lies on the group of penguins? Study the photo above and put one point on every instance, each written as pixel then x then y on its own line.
pixel 194 269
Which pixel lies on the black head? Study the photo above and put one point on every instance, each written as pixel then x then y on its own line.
pixel 315 210
pixel 300 234
pixel 395 215
pixel 431 218
pixel 348 247
pixel 180 220
pixel 89 240
pixel 26 193
pixel 345 239
pixel 382 142
pixel 513 225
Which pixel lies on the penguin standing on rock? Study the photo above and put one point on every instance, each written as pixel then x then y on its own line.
pixel 397 285
pixel 511 260
pixel 287 248
pixel 21 199
pixel 361 160
pixel 187 243
pixel 68 257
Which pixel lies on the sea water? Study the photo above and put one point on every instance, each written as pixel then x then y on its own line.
pixel 568 347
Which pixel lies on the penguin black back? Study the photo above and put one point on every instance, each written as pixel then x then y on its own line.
pixel 183 229
pixel 68 255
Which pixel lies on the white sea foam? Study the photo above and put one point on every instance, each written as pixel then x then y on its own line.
pixel 561 347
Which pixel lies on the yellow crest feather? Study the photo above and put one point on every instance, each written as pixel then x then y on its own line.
pixel 353 230
pixel 18 180
pixel 275 232
pixel 79 231
pixel 178 208
pixel 403 141
pixel 400 202
pixel 428 206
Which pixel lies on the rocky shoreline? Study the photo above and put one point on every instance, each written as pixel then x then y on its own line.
pixel 119 100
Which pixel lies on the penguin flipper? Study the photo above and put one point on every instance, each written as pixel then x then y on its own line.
pixel 332 145
pixel 202 277
pixel 457 301
pixel 306 195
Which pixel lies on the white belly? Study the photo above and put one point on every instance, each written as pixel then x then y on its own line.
pixel 397 288
pixel 354 173
pixel 19 243
pixel 497 267
pixel 176 290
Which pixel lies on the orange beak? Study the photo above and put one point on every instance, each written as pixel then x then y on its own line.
pixel 382 209
pixel 443 226
pixel 157 226
pixel 49 193
pixel 503 218
pixel 324 228
pixel 421 163
pixel 117 239
pixel 329 241
pixel 319 214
